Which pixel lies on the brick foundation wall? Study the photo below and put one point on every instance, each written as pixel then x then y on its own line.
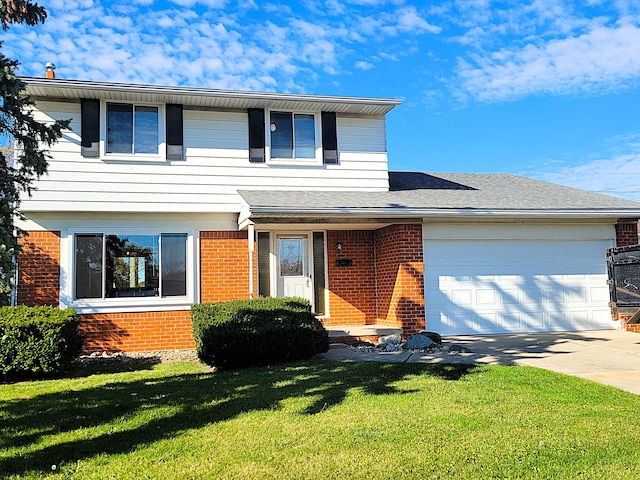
pixel 352 292
pixel 145 331
pixel 224 266
pixel 400 277
pixel 39 269
pixel 626 234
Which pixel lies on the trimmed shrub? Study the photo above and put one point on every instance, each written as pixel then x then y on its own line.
pixel 37 341
pixel 260 331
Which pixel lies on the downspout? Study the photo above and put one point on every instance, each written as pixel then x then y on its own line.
pixel 14 281
pixel 198 269
pixel 251 244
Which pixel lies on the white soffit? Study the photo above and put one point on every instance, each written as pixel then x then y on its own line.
pixel 204 97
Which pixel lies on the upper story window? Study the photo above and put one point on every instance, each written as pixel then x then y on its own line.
pixel 125 131
pixel 132 129
pixel 293 135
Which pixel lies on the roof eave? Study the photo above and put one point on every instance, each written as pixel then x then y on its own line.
pixel 400 212
pixel 76 89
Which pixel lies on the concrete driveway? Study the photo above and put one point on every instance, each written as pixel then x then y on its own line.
pixel 611 357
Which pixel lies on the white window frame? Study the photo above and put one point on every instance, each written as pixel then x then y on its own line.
pixel 127 304
pixel 161 156
pixel 317 126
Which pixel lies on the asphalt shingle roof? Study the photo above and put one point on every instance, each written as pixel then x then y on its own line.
pixel 448 191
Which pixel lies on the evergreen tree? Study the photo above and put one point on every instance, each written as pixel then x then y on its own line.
pixel 25 141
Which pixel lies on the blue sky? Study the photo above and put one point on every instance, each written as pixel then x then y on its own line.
pixel 545 88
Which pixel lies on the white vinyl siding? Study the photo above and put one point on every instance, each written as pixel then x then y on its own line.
pixel 356 134
pixel 216 166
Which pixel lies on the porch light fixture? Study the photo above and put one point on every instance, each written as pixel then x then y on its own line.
pixel 339 246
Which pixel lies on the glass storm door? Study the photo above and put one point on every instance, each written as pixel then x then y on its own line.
pixel 294 279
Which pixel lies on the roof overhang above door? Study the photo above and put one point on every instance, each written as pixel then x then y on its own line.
pixel 307 223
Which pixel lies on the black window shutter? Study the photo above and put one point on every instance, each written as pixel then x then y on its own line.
pixel 329 138
pixel 90 127
pixel 256 135
pixel 175 134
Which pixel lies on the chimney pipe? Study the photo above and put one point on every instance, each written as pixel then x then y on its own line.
pixel 50 70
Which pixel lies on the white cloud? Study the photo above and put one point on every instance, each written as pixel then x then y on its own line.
pixel 362 65
pixel 615 172
pixel 604 58
pixel 206 3
pixel 409 20
pixel 238 47
pixel 388 56
pixel 618 176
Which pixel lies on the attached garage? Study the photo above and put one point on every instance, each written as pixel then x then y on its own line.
pixel 516 278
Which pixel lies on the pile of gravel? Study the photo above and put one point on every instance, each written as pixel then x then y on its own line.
pixel 367 347
pixel 423 342
pixel 114 358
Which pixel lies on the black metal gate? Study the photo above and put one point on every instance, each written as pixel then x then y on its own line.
pixel 623 267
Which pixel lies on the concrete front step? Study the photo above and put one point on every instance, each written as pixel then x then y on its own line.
pixel 359 333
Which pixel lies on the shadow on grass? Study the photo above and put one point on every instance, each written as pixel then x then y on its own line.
pixel 90 368
pixel 111 367
pixel 170 405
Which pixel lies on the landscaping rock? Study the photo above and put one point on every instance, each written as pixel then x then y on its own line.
pixel 433 336
pixel 458 349
pixel 394 339
pixel 418 342
pixel 385 347
pixel 113 358
pixel 366 344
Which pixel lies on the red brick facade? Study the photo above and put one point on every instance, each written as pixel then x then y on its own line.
pixel 400 277
pixel 224 269
pixel 39 269
pixel 133 332
pixel 384 285
pixel 352 289
pixel 626 234
pixel 224 266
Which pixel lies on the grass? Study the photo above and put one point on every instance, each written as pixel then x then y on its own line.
pixel 318 420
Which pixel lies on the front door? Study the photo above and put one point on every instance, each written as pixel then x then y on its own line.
pixel 294 278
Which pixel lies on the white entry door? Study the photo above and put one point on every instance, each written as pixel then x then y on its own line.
pixel 293 272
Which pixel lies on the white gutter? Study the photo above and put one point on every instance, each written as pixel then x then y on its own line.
pixel 77 88
pixel 257 212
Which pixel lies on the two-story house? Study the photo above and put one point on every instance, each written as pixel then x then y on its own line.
pixel 160 197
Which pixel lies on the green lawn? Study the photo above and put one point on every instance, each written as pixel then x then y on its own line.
pixel 319 420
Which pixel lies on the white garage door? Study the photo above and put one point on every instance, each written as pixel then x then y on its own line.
pixel 507 286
